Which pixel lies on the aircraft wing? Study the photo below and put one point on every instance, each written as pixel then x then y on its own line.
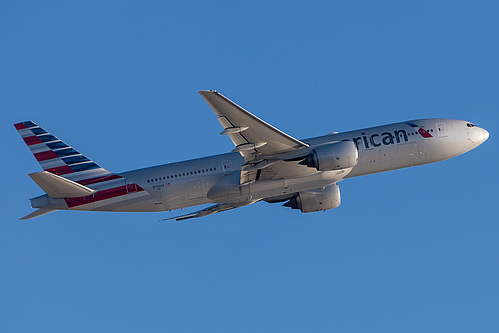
pixel 251 135
pixel 257 141
pixel 210 210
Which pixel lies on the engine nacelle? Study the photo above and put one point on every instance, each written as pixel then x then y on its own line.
pixel 333 156
pixel 316 200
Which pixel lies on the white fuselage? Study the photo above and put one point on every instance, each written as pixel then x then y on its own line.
pixel 217 178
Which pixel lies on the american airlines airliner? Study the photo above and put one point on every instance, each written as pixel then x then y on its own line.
pixel 265 165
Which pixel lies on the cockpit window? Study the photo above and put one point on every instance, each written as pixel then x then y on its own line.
pixel 470 125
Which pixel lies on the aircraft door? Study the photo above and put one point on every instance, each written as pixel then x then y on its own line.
pixel 442 130
pixel 227 166
pixel 130 185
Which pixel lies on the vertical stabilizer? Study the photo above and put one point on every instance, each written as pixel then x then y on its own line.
pixel 58 158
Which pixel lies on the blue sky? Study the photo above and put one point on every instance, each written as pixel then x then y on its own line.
pixel 411 250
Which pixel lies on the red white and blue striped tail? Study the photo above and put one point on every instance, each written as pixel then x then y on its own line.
pixel 57 157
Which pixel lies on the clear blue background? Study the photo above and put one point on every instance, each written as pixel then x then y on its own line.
pixel 414 250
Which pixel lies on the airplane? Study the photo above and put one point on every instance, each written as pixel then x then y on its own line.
pixel 265 165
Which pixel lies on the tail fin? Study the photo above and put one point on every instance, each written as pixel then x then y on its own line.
pixel 59 158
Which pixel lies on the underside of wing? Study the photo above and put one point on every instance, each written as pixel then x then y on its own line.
pixel 210 210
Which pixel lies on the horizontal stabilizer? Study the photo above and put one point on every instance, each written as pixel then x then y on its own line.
pixel 36 213
pixel 59 187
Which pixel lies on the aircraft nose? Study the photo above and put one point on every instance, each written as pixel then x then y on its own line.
pixel 484 135
pixel 480 135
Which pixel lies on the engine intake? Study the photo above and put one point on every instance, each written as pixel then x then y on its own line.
pixel 316 200
pixel 333 156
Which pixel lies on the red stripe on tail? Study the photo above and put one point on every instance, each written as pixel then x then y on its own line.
pixel 32 140
pixel 20 126
pixel 45 155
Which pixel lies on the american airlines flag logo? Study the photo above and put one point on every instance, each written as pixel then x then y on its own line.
pixel 424 133
pixel 57 157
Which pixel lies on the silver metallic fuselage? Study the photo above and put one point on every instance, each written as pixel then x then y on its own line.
pixel 217 178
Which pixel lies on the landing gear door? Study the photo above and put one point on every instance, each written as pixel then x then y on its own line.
pixel 131 186
pixel 442 130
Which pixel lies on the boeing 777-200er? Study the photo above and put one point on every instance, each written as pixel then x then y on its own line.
pixel 266 164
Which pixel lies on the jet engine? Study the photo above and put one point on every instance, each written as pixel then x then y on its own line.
pixel 316 200
pixel 333 156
